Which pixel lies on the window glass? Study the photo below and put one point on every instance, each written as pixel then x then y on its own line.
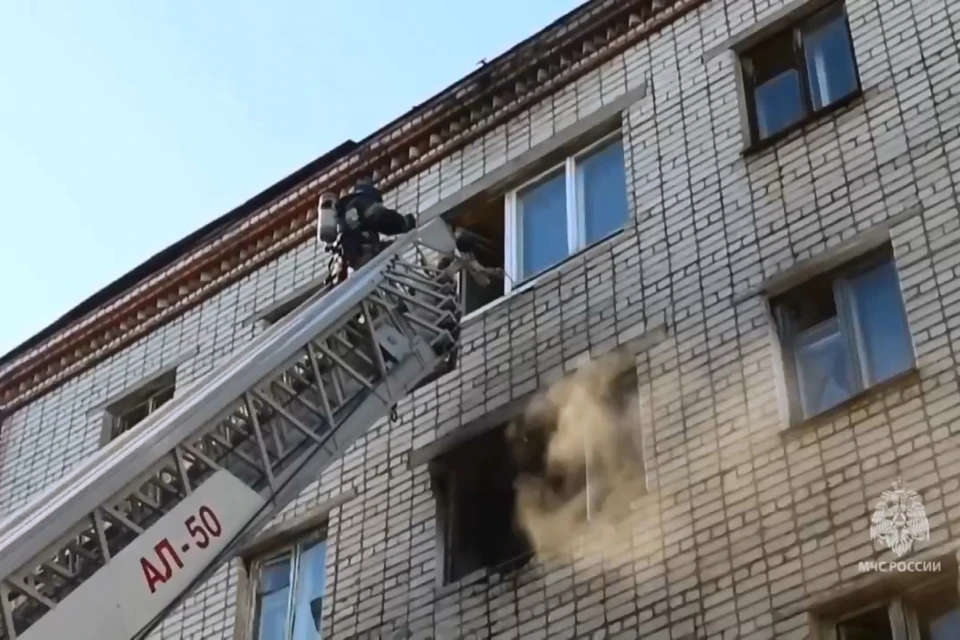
pixel 542 211
pixel 799 71
pixel 884 334
pixel 273 596
pixel 830 64
pixel 290 595
pixel 779 103
pixel 823 367
pixel 130 411
pixel 777 95
pixel 602 188
pixel 309 599
pixel 937 608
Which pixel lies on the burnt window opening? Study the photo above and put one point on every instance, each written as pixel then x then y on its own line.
pixel 126 413
pixel 484 226
pixel 587 469
pixel 476 504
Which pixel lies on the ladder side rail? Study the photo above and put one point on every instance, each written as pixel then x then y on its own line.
pixel 307 468
pixel 354 347
pixel 33 529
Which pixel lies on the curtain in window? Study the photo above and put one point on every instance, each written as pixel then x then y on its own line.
pixel 823 367
pixel 542 213
pixel 830 64
pixel 779 103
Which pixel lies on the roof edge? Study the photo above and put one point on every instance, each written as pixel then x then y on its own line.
pixel 180 248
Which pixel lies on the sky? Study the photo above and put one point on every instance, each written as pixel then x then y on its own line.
pixel 124 126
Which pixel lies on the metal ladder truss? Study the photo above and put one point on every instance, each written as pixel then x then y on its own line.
pixel 126 536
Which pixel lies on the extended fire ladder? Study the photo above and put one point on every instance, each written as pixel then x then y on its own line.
pixel 107 551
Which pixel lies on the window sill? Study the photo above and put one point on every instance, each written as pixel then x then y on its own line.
pixel 906 378
pixel 853 100
pixel 538 279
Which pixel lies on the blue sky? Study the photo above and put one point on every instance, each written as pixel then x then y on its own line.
pixel 126 125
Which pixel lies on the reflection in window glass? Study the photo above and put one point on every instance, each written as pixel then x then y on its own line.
pixel 799 71
pixel 883 326
pixel 543 225
pixel 309 600
pixel 273 597
pixel 823 368
pixel 779 103
pixel 602 187
pixel 830 64
pixel 290 594
pixel 937 610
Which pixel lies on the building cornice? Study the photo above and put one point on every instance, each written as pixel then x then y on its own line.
pixel 538 67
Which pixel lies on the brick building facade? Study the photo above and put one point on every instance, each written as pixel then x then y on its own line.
pixel 784 273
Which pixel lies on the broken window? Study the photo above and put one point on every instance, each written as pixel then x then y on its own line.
pixel 484 226
pixel 843 332
pixel 476 505
pixel 289 586
pixel 129 411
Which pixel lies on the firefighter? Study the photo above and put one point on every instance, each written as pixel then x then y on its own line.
pixel 358 220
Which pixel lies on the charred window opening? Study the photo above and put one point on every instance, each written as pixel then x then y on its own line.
pixel 484 227
pixel 579 455
pixel 476 505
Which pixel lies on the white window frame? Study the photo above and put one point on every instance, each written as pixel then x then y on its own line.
pixel 576 220
pixel 293 550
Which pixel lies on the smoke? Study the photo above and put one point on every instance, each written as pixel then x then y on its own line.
pixel 577 451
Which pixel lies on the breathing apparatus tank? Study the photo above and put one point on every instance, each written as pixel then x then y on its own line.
pixel 327 224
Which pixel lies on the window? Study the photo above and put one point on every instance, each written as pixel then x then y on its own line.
pixel 128 412
pixel 286 307
pixel 565 476
pixel 289 588
pixel 475 504
pixel 568 209
pixel 799 72
pixel 842 333
pixel 930 612
pixel 484 226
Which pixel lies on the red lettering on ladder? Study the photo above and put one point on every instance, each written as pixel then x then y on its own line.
pixel 151 573
pixel 202 534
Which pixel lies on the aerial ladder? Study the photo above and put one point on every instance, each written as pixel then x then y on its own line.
pixel 109 550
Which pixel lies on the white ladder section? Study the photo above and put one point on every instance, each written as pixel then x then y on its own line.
pixel 107 551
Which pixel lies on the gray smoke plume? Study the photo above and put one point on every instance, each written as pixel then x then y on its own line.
pixel 577 451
